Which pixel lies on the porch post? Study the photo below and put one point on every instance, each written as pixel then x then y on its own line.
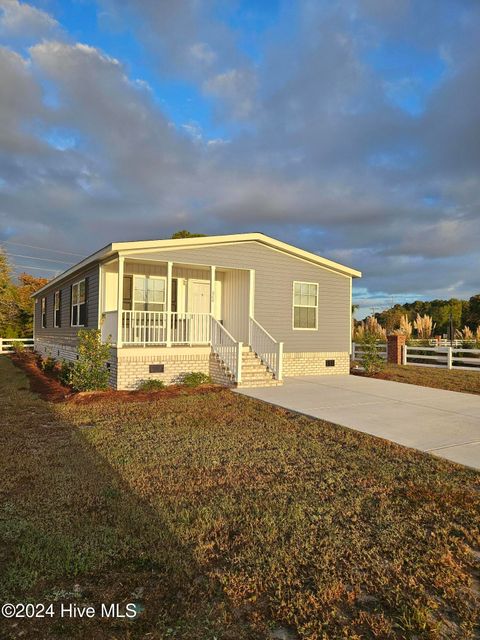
pixel 121 261
pixel 280 361
pixel 251 303
pixel 251 295
pixel 239 361
pixel 212 290
pixel 169 303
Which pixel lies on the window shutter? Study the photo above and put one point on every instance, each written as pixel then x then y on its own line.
pixel 71 305
pixel 59 323
pixel 85 313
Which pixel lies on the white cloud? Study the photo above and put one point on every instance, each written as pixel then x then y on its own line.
pixel 19 19
pixel 236 88
pixel 203 53
pixel 322 160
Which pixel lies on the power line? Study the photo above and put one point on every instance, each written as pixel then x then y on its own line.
pixel 27 266
pixel 18 255
pixel 31 246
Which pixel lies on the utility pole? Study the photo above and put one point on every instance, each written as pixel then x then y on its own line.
pixel 450 328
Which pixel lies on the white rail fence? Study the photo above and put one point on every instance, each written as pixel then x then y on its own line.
pixel 266 347
pixel 358 350
pixel 7 345
pixel 442 342
pixel 450 357
pixel 227 348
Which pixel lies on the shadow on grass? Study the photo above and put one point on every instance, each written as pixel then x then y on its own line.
pixel 73 531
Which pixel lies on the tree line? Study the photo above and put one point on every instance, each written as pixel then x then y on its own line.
pixel 463 313
pixel 16 305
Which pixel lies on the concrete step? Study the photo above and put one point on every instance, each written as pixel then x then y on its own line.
pixel 254 365
pixel 254 372
pixel 249 385
pixel 257 377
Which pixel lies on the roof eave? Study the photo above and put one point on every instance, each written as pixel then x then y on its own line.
pixel 94 257
pixel 118 247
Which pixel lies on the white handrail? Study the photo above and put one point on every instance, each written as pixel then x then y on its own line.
pixel 227 348
pixel 267 348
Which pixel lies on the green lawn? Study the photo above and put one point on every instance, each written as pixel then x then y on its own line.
pixel 452 380
pixel 225 518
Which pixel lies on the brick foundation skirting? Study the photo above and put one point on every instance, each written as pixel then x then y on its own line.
pixel 132 369
pixel 314 363
pixel 129 367
pixel 55 350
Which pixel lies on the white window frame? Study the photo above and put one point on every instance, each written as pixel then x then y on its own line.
pixel 315 328
pixel 56 298
pixel 77 304
pixel 43 312
pixel 148 277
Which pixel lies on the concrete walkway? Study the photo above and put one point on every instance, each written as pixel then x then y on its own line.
pixel 444 423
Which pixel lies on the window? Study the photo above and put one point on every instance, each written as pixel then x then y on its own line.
pixel 56 309
pixel 127 293
pixel 79 304
pixel 44 313
pixel 305 305
pixel 148 293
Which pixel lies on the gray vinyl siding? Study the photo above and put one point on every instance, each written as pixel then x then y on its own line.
pixel 66 334
pixel 275 273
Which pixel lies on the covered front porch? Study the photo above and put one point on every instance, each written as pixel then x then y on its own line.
pixel 164 304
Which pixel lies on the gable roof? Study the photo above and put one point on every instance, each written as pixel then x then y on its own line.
pixel 182 243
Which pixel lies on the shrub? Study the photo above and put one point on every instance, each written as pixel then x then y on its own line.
pixel 406 327
pixel 47 365
pixel 369 326
pixel 195 379
pixel 151 385
pixel 89 372
pixel 370 359
pixel 18 348
pixel 65 373
pixel 424 326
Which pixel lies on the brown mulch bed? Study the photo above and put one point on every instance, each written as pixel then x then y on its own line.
pixel 49 388
pixel 171 391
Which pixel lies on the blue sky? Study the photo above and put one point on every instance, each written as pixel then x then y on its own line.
pixel 344 127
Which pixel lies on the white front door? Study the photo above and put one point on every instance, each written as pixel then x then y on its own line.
pixel 199 296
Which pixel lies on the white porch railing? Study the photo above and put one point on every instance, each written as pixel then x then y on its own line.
pixel 227 348
pixel 152 327
pixel 190 328
pixel 266 347
pixel 7 345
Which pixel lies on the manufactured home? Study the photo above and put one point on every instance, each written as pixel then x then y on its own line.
pixel 246 309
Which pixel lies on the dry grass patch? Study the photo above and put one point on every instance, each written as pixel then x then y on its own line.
pixel 225 518
pixel 451 380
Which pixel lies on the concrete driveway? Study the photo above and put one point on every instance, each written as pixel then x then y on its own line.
pixel 444 423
